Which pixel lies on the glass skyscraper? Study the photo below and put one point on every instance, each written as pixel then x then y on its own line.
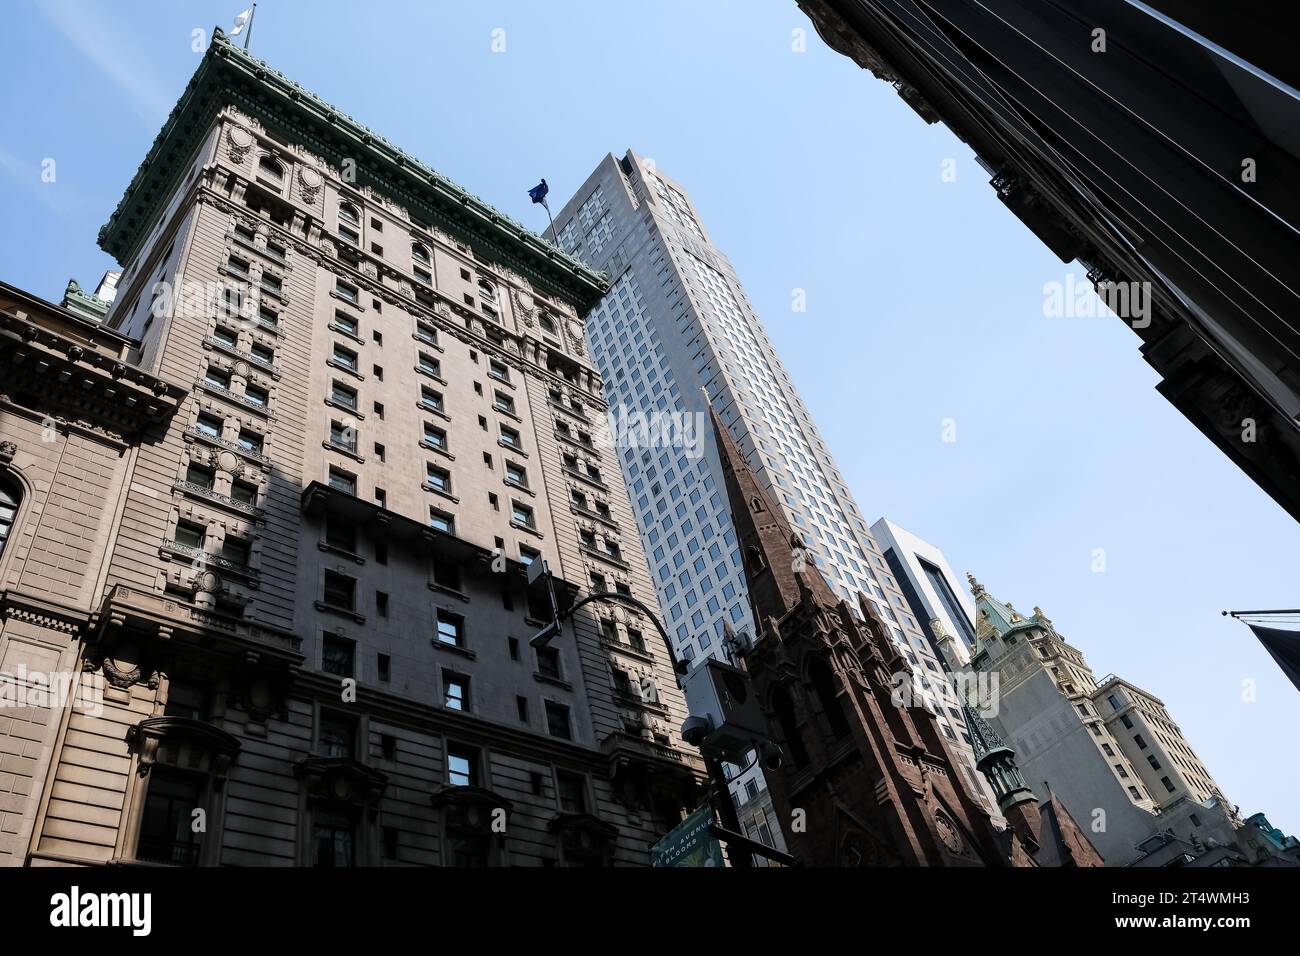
pixel 677 324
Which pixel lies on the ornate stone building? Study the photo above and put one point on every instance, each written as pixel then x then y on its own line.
pixel 276 512
pixel 866 780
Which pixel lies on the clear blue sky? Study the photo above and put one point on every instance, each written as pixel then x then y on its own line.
pixel 925 297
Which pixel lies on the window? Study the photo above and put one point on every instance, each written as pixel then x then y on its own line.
pixel 426 333
pixel 191 534
pixel 516 474
pixel 269 170
pixel 345 357
pixel 419 253
pixel 438 479
pixel 503 403
pixel 217 378
pixel 333 838
pixel 455 691
pixel 1168 786
pixel 272 284
pixel 430 365
pixel 1151 759
pixel 451 628
pixel 587 539
pixel 446 574
pixel 341 535
pixel 522 514
pixel 572 792
pixel 548 662
pixel 1140 741
pixel 201 477
pixel 340 590
pixel 337 656
pixel 348 213
pixel 237 266
pixel 343 436
pixel 10 496
pixel 635 638
pixel 612 549
pixel 225 336
pixel 348 293
pixel 349 235
pixel 422 275
pixel 498 370
pixel 250 441
pixel 557 721
pixel 263 353
pixel 256 395
pixel 166 834
pixel 208 425
pixel 343 481
pixel 243 493
pixel 527 555
pixel 430 398
pixel 510 437
pixel 462 767
pixel 343 395
pixel 236 550
pixel 442 521
pixel 435 436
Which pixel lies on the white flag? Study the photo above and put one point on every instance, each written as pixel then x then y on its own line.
pixel 241 21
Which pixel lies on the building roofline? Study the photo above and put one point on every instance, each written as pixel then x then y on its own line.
pixel 92 327
pixel 228 75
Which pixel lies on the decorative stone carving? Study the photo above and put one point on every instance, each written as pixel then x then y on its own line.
pixel 7 451
pixel 240 141
pixel 309 184
pixel 525 305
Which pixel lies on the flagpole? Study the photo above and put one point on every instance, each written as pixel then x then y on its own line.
pixel 555 239
pixel 248 34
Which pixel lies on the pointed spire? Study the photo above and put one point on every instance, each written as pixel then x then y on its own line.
pixel 997 762
pixel 779 570
pixel 976 588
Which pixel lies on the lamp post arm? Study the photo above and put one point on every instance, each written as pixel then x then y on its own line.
pixel 679 667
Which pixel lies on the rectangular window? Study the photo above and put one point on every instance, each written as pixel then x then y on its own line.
pixel 347 292
pixel 572 792
pixel 522 514
pixel 548 662
pixel 451 628
pixel 345 357
pixel 256 395
pixel 190 534
pixel 516 474
pixel 344 395
pixel 446 574
pixel 503 403
pixel 455 691
pixel 438 478
pixel 343 481
pixel 343 436
pixel 435 436
pixel 208 425
pixel 430 398
pixel 340 591
pixel 557 721
pixel 498 370
pixel 426 333
pixel 345 322
pixel 442 521
pixel 430 364
pixel 510 437
pixel 462 767
pixel 337 655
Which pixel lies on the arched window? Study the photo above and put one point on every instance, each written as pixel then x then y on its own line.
pixel 348 213
pixel 269 169
pixel 784 707
pixel 419 253
pixel 547 323
pixel 487 290
pixel 755 556
pixel 823 682
pixel 10 496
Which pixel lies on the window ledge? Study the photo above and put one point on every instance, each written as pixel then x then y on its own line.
pixel 523 527
pixel 512 448
pixel 433 411
pixel 440 493
pixel 443 589
pixel 341 552
pixel 436 450
pixel 518 487
pixel 345 408
pixel 332 363
pixel 553 681
pixel 341 611
pixel 464 652
pixel 343 451
pixel 339 330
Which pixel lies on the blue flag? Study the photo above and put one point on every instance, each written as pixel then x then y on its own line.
pixel 538 193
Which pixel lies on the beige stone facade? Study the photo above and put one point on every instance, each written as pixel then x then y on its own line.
pixel 296 564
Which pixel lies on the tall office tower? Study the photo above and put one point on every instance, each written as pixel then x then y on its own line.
pixel 1151 142
pixel 282 507
pixel 676 321
pixel 933 591
pixel 1108 750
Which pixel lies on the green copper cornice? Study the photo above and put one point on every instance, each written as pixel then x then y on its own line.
pixel 229 76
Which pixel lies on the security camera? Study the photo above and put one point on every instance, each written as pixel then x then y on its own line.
pixel 694 730
pixel 770 755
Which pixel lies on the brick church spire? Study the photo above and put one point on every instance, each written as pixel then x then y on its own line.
pixel 778 565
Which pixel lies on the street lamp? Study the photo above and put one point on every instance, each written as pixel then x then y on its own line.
pixel 697 726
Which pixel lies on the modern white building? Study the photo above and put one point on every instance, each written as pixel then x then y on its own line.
pixel 675 324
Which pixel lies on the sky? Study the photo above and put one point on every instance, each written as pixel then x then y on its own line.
pixel 925 314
